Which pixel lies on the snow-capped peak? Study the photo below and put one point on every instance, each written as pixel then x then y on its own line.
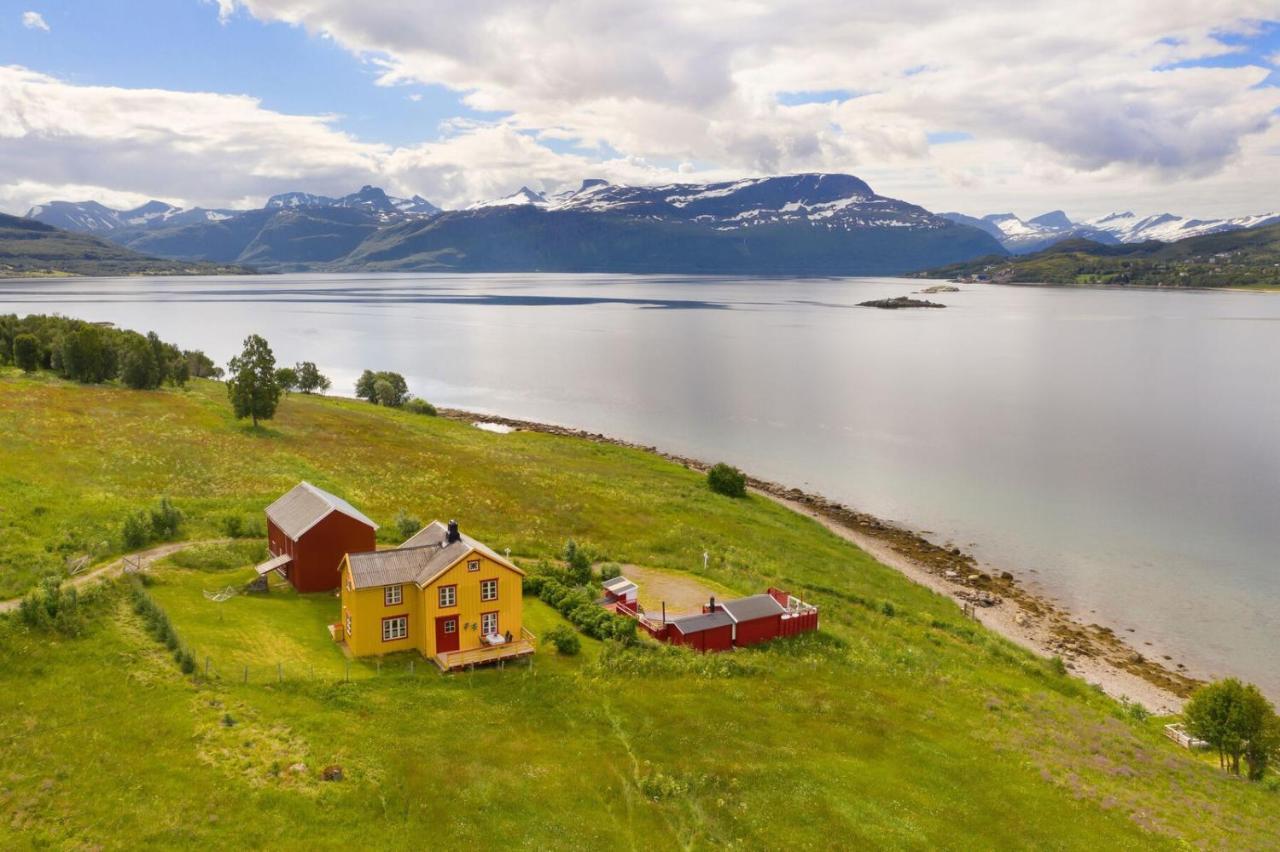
pixel 521 197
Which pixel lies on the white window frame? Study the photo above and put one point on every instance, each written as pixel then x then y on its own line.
pixel 395 628
pixel 453 596
pixel 473 564
pixel 348 622
pixel 491 582
pixel 485 616
pixel 392 595
pixel 451 626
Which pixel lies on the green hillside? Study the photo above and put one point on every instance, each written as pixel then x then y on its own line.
pixel 30 249
pixel 1245 258
pixel 901 724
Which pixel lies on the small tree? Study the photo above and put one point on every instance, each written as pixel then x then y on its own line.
pixel 1237 720
pixel 201 365
pixel 418 405
pixel 287 379
pixel 166 518
pixel 382 388
pixel 727 480
pixel 310 379
pixel 136 530
pixel 86 356
pixel 577 564
pixel 26 352
pixel 252 384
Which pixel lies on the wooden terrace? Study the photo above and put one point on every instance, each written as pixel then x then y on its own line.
pixel 450 661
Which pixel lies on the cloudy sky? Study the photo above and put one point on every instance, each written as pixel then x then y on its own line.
pixel 983 106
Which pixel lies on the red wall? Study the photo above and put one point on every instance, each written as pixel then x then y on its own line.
pixel 318 554
pixel 715 639
pixel 759 630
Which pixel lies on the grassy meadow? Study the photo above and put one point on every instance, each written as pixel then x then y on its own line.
pixel 902 726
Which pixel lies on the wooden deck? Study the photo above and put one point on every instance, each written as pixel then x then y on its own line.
pixel 453 660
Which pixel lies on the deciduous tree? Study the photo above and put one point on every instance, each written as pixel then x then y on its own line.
pixel 252 384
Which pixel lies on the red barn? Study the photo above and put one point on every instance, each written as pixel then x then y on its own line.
pixel 711 631
pixel 309 530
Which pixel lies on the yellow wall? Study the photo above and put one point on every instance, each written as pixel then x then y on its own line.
pixel 367 609
pixel 509 605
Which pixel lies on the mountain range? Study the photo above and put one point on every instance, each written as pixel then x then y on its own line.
pixel 799 224
pixel 1024 236
pixel 1239 258
pixel 31 249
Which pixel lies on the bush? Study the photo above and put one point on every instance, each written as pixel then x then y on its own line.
pixel 166 518
pixel 418 405
pixel 407 525
pixel 727 480
pixel 565 640
pixel 888 609
pixel 309 378
pixel 136 531
pixel 50 606
pixel 580 608
pixel 1057 666
pixel 609 571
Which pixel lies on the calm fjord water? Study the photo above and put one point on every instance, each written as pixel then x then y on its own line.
pixel 1117 450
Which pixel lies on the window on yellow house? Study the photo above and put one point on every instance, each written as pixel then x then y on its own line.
pixel 489 590
pixel 392 595
pixel 488 623
pixel 448 596
pixel 395 628
pixel 473 565
pixel 348 624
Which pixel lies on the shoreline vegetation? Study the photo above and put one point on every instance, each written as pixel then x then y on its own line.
pixel 1093 652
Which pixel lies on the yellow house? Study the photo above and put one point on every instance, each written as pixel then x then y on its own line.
pixel 441 593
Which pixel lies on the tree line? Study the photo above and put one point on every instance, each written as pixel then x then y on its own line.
pixel 94 353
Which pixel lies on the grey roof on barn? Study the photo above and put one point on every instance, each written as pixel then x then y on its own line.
pixel 421 559
pixel 698 623
pixel 304 506
pixel 756 606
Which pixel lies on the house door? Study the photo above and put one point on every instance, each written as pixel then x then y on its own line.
pixel 446 634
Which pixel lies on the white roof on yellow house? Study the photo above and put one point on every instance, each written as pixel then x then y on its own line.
pixel 421 560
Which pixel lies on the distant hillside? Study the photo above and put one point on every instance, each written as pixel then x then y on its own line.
pixel 1241 258
pixel 1031 235
pixel 826 224
pixel 30 249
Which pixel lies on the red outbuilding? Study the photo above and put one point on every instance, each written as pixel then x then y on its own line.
pixel 309 530
pixel 755 619
pixel 710 631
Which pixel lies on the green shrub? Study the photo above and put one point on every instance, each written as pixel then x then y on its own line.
pixel 608 571
pixel 577 563
pixel 52 606
pixel 888 609
pixel 166 518
pixel 727 480
pixel 407 525
pixel 418 405
pixel 232 526
pixel 565 640
pixel 136 531
pixel 1057 666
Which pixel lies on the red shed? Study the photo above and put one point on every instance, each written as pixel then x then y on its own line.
pixel 711 631
pixel 315 529
pixel 755 619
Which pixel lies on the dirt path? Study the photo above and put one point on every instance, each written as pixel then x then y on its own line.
pixel 146 557
pixel 1032 629
pixel 683 593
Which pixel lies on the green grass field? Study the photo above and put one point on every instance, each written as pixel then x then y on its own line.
pixel 912 730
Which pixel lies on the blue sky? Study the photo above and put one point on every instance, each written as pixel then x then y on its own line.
pixel 1064 105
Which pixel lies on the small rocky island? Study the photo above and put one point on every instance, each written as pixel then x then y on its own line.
pixel 899 302
pixel 941 288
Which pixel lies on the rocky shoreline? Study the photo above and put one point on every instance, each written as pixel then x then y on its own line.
pixel 1091 651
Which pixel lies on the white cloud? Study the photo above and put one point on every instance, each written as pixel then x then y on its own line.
pixel 1067 104
pixel 34 21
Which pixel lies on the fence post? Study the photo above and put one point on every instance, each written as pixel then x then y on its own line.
pixel 411 666
pixel 379 666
